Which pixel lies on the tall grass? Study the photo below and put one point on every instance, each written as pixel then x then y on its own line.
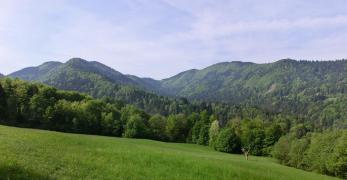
pixel 38 154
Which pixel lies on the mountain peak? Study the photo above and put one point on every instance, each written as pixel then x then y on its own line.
pixel 49 65
pixel 287 60
pixel 76 60
pixel 52 63
pixel 241 62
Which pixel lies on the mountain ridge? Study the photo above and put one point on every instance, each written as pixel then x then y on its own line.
pixel 284 85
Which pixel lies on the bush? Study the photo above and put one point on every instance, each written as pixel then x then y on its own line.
pixel 281 150
pixel 157 125
pixel 135 127
pixel 228 141
pixel 213 133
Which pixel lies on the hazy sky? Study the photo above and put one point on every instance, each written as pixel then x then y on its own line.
pixel 159 38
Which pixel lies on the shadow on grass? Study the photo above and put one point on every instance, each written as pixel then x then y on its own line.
pixel 9 172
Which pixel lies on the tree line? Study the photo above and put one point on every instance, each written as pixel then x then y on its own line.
pixel 40 106
pixel 222 127
pixel 325 153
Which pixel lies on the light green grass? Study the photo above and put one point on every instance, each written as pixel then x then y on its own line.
pixel 38 154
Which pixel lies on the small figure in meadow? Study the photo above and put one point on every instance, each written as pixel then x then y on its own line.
pixel 245 152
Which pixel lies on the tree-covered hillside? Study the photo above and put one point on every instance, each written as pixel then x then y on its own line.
pixel 241 82
pixel 101 81
pixel 313 91
pixel 56 71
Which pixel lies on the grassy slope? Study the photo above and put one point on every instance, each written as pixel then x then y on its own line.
pixel 50 155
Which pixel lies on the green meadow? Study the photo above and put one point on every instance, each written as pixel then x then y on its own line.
pixel 39 154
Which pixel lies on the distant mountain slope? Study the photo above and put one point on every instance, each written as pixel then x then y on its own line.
pixel 299 87
pixel 224 81
pixel 146 83
pixel 56 71
pixel 285 84
pixel 36 73
pixel 101 81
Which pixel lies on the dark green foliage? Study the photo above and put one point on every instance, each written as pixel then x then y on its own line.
pixel 281 150
pixel 203 135
pixel 313 90
pixel 321 152
pixel 101 81
pixel 213 133
pixel 201 127
pixel 157 125
pixel 15 171
pixel 177 127
pixel 339 157
pixel 111 123
pixel 195 132
pixel 228 141
pixel 2 102
pixel 299 130
pixel 253 136
pixel 36 105
pixel 135 127
pixel 272 135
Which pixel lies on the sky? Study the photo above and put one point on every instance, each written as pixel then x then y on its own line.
pixel 160 38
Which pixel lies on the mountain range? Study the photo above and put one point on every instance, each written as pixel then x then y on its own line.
pixel 50 71
pixel 99 81
pixel 285 85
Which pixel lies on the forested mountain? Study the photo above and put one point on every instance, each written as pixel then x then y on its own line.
pixel 315 91
pixel 51 72
pixel 105 83
pixel 38 73
pixel 99 81
pixel 240 82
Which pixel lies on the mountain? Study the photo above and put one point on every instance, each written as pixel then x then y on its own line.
pixel 36 73
pixel 101 81
pixel 1 75
pixel 279 85
pixel 61 75
pixel 309 89
pixel 232 82
pixel 229 81
pixel 56 71
pixel 146 83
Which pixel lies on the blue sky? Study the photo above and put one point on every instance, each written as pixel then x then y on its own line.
pixel 160 38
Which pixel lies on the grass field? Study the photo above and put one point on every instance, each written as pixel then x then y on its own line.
pixel 38 154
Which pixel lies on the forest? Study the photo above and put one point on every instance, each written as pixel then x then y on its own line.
pixel 318 146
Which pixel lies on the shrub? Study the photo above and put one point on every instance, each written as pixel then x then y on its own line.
pixel 228 141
